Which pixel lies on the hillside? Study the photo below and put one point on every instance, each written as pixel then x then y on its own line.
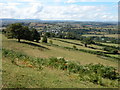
pixel 21 72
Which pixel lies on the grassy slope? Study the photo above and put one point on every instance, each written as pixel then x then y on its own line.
pixel 15 76
pixel 19 77
pixel 83 58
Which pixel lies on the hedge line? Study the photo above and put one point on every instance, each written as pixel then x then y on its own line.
pixel 88 51
pixel 114 47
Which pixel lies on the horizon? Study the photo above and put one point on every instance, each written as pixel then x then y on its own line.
pixel 53 20
pixel 67 10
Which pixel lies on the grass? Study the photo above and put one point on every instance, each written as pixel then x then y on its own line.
pixel 79 42
pixel 109 35
pixel 26 75
pixel 0 71
pixel 110 44
pixel 76 43
pixel 18 77
pixel 102 71
pixel 83 58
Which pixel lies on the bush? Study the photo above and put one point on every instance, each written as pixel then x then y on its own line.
pixel 51 42
pixel 114 51
pixel 95 79
pixel 111 50
pixel 44 39
pixel 74 47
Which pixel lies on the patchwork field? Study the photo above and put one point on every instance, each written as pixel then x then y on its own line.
pixel 15 76
pixel 44 51
pixel 79 45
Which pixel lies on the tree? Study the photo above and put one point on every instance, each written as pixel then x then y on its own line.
pixel 44 39
pixel 70 35
pixel 87 41
pixel 15 31
pixel 26 33
pixel 22 32
pixel 48 34
pixel 35 35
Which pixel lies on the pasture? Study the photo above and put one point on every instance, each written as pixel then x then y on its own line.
pixel 19 77
pixel 109 35
pixel 15 76
pixel 44 51
pixel 79 45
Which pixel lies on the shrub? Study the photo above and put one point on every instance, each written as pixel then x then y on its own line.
pixel 51 42
pixel 44 39
pixel 111 50
pixel 74 47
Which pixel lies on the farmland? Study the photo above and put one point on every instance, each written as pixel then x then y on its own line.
pixel 58 55
pixel 109 35
pixel 50 51
pixel 47 74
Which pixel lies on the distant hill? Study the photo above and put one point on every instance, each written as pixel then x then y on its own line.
pixel 6 21
pixel 19 20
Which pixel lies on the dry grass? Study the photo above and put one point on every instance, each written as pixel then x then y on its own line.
pixel 19 77
pixel 109 35
pixel 111 44
pixel 77 42
pixel 83 58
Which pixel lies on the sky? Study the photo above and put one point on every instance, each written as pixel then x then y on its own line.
pixel 78 10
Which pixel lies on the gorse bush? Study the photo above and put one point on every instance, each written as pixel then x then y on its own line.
pixel 90 72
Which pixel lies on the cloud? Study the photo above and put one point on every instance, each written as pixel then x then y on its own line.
pixel 74 1
pixel 57 1
pixel 11 10
pixel 34 10
pixel 12 1
pixel 75 12
pixel 71 1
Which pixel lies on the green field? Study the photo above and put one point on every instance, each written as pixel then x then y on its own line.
pixel 110 35
pixel 25 77
pixel 52 51
pixel 77 43
pixel 78 46
pixel 110 44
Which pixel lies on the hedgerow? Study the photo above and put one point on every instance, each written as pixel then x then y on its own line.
pixel 89 51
